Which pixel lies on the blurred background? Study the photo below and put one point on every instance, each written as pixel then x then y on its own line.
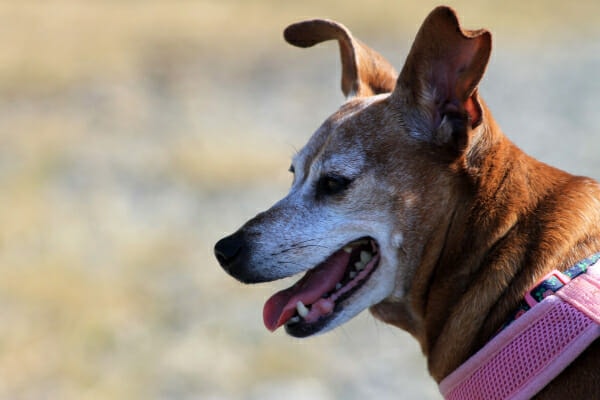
pixel 134 134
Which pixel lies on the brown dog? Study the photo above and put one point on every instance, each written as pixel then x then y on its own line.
pixel 410 201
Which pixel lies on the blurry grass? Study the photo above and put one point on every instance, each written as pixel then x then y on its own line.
pixel 47 45
pixel 130 134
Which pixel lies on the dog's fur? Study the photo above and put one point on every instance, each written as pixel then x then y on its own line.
pixel 464 221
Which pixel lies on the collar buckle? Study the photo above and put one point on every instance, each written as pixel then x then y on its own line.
pixel 545 287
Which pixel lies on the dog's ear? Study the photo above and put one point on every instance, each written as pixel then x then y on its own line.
pixel 438 84
pixel 364 71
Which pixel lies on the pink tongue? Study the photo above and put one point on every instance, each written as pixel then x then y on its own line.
pixel 282 305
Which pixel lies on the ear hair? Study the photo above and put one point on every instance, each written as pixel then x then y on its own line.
pixel 440 77
pixel 452 132
pixel 364 71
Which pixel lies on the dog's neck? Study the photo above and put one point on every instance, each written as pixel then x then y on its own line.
pixel 477 280
pixel 495 243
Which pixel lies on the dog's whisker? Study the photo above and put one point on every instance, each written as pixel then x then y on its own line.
pixel 295 264
pixel 299 248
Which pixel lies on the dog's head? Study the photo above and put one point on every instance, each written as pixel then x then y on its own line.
pixel 374 187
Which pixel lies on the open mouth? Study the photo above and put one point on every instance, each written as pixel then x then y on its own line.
pixel 307 306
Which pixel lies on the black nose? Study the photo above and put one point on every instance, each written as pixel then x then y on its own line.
pixel 228 252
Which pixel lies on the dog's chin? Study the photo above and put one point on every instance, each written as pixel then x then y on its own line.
pixel 331 293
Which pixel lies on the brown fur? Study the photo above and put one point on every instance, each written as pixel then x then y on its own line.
pixel 514 219
pixel 484 221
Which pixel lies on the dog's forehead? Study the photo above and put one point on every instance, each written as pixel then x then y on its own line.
pixel 334 144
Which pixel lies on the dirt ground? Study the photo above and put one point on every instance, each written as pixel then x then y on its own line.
pixel 135 134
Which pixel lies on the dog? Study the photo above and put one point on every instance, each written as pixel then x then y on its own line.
pixel 409 201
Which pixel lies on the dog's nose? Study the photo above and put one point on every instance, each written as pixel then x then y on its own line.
pixel 228 249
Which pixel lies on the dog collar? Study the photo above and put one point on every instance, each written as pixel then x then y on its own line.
pixel 558 319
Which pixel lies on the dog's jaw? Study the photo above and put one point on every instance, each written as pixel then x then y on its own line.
pixel 380 286
pixel 377 285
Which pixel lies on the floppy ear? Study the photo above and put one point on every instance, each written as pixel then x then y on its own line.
pixel 440 77
pixel 364 71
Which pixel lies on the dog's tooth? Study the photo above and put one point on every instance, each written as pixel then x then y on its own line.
pixel 365 256
pixel 348 249
pixel 338 286
pixel 352 274
pixel 294 320
pixel 359 265
pixel 301 308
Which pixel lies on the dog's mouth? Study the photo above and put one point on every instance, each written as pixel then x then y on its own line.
pixel 306 307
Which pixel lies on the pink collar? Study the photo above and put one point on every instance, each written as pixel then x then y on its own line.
pixel 533 350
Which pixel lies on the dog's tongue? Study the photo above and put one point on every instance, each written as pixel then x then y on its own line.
pixel 317 282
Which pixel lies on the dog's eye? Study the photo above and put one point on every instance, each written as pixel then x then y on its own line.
pixel 332 184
